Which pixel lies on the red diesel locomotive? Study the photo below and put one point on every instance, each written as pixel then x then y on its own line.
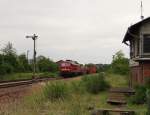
pixel 70 67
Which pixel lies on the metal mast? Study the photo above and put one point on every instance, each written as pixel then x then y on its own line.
pixel 34 38
pixel 142 17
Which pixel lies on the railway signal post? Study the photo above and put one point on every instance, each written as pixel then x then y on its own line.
pixel 34 38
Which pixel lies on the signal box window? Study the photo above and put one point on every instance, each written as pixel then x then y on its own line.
pixel 146 44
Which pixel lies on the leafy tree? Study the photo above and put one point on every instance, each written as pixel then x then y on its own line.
pixel 11 62
pixel 11 59
pixel 8 59
pixel 9 54
pixel 46 65
pixel 1 59
pixel 23 62
pixel 103 67
pixel 6 68
pixel 120 64
pixel 8 49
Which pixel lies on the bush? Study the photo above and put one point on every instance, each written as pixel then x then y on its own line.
pixel 57 90
pixel 48 74
pixel 46 65
pixel 95 83
pixel 148 101
pixel 147 82
pixel 75 109
pixel 6 68
pixel 140 95
pixel 77 87
pixel 120 64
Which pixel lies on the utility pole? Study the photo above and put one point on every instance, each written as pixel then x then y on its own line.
pixel 34 38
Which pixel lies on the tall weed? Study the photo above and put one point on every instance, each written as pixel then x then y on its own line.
pixel 56 91
pixel 148 101
pixel 95 83
pixel 140 95
pixel 77 87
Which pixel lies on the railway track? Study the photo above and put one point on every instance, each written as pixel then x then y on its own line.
pixel 14 90
pixel 7 84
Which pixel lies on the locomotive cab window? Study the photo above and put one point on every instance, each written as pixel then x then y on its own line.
pixel 146 44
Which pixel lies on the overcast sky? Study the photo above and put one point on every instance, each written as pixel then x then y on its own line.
pixel 89 31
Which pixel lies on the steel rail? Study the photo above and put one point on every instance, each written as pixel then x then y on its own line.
pixel 25 82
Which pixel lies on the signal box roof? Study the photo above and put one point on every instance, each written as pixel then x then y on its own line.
pixel 132 30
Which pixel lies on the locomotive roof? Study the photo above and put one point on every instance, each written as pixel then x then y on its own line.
pixel 72 62
pixel 69 61
pixel 132 30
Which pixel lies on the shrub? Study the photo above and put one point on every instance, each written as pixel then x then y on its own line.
pixel 147 82
pixel 34 101
pixel 77 87
pixel 48 74
pixel 57 90
pixel 75 110
pixel 46 65
pixel 95 83
pixel 148 101
pixel 6 68
pixel 120 64
pixel 140 95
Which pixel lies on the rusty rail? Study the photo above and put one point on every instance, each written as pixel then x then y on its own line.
pixel 25 82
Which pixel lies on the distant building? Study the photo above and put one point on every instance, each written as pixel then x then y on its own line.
pixel 137 38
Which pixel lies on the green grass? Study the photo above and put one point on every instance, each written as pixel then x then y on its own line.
pixel 140 109
pixel 22 76
pixel 117 80
pixel 77 103
pixel 56 91
pixel 95 83
pixel 16 76
pixel 48 74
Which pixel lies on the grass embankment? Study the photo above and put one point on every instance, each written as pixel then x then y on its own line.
pixel 117 80
pixel 69 98
pixel 22 76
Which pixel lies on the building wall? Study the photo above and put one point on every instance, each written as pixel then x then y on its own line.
pixel 140 72
pixel 136 74
pixel 146 70
pixel 145 29
pixel 135 46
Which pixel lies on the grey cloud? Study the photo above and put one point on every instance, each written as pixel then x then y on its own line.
pixel 83 30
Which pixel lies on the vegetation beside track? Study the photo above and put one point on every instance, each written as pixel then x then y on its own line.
pixel 24 76
pixel 75 100
pixel 15 66
pixel 72 97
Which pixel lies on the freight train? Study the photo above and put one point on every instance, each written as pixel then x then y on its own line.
pixel 69 67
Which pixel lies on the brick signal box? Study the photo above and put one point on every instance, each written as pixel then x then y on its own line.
pixel 137 38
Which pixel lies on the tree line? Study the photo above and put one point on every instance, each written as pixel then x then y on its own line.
pixel 11 62
pixel 119 64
